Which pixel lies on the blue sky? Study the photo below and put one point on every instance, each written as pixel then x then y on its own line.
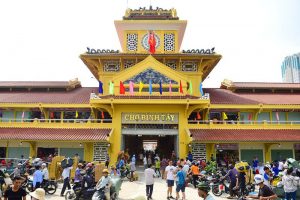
pixel 42 40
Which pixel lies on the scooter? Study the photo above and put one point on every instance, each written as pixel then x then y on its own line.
pixel 74 192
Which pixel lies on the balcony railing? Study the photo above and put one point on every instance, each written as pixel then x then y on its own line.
pixel 6 120
pixel 232 122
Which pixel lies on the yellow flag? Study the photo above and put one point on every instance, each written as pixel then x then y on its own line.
pixel 76 114
pixel 224 116
pixel 141 85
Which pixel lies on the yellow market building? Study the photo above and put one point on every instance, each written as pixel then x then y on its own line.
pixel 150 101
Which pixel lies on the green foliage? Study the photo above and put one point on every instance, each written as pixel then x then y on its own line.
pixel 211 167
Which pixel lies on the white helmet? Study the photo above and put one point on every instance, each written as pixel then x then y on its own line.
pixel 258 179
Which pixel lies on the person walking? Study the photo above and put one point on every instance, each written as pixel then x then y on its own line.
pixel 145 162
pixel 157 167
pixel 195 173
pixel 181 183
pixel 132 170
pixel 66 177
pixel 163 165
pixel 290 185
pixel 45 174
pixel 149 179
pixel 169 173
pixel 232 174
pixel 16 192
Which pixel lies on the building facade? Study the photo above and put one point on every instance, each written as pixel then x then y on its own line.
pixel 151 101
pixel 290 69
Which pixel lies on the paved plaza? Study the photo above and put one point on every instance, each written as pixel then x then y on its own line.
pixel 131 190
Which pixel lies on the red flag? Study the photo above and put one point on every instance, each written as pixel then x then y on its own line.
pixel 180 88
pixel 122 88
pixel 250 116
pixel 151 42
pixel 198 116
pixel 102 115
pixel 51 115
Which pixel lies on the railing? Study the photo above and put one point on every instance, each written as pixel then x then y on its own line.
pixel 35 120
pixel 233 122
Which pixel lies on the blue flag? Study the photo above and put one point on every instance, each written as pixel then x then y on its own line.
pixel 150 86
pixel 201 89
pixel 100 87
pixel 160 87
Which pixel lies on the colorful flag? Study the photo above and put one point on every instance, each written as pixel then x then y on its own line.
pixel 170 87
pixel 198 116
pixel 150 86
pixel 76 114
pixel 122 88
pixel 201 89
pixel 160 87
pixel 102 115
pixel 100 87
pixel 51 115
pixel 250 117
pixel 131 88
pixel 277 116
pixel 111 87
pixel 151 42
pixel 141 85
pixel 180 87
pixel 224 116
pixel 191 88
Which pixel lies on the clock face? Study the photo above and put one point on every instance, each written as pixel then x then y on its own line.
pixel 145 41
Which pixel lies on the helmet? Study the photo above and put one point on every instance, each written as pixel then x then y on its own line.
pixel 203 186
pixel 105 171
pixel 258 179
pixel 44 164
pixel 89 165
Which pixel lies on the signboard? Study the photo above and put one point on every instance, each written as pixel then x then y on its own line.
pixel 149 118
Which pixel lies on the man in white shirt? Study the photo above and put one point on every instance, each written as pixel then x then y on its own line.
pixel 149 179
pixel 45 174
pixel 66 177
pixel 169 173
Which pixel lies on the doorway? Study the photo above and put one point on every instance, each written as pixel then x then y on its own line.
pixel 154 144
pixel 43 153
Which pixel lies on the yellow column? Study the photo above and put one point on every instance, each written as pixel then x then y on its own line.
pixel 184 138
pixel 116 137
pixel 210 150
pixel 268 152
pixel 32 149
pixel 88 151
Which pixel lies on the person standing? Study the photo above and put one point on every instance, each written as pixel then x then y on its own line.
pixel 181 183
pixel 37 178
pixel 149 179
pixel 16 192
pixel 66 177
pixel 169 173
pixel 132 170
pixel 195 173
pixel 267 177
pixel 157 167
pixel 145 162
pixel 232 174
pixel 290 185
pixel 163 165
pixel 107 159
pixel 45 174
pixel 190 156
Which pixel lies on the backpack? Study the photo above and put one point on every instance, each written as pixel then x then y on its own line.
pixel 67 162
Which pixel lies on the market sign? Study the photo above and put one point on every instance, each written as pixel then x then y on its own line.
pixel 149 118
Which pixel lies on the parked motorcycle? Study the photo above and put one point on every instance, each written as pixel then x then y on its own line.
pixel 74 192
pixel 114 190
pixel 49 187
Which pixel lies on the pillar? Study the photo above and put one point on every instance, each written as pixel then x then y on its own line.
pixel 268 152
pixel 88 151
pixel 210 150
pixel 183 137
pixel 32 149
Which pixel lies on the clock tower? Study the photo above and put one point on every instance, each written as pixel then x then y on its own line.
pixel 133 30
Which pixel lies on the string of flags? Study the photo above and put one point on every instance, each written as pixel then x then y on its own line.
pixel 131 86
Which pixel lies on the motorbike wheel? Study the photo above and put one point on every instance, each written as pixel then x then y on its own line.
pixel 51 188
pixel 216 191
pixel 70 196
pixel 128 176
pixel 29 187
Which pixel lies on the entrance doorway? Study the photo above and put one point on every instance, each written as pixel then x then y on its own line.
pixel 2 152
pixel 43 153
pixel 150 144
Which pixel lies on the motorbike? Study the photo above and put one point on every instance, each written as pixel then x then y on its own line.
pixel 74 192
pixel 49 186
pixel 114 190
pixel 125 172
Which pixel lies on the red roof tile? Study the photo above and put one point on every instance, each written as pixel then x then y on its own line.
pixel 273 98
pixel 53 134
pixel 223 96
pixel 233 135
pixel 77 96
pixel 265 85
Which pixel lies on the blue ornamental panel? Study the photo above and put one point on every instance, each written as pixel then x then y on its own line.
pixel 148 74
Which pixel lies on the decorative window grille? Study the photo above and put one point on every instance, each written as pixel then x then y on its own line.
pixel 132 41
pixel 111 66
pixel 189 66
pixel 172 64
pixel 100 151
pixel 199 151
pixel 169 40
pixel 128 63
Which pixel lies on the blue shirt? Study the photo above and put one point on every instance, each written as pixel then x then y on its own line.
pixel 37 177
pixel 255 163
pixel 180 176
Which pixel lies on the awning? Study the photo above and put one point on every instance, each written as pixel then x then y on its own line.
pixel 54 134
pixel 149 131
pixel 243 135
